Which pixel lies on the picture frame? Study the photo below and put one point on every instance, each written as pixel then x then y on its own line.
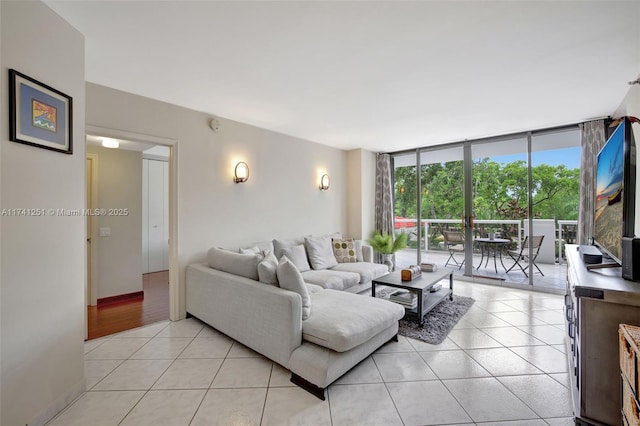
pixel 39 115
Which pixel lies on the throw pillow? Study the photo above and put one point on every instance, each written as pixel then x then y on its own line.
pixel 290 279
pixel 320 252
pixel 359 255
pixel 345 250
pixel 245 265
pixel 278 245
pixel 249 250
pixel 298 255
pixel 267 269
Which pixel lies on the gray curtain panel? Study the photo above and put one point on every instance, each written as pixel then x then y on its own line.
pixel 593 139
pixel 384 197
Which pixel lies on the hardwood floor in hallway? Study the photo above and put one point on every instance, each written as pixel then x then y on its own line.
pixel 121 316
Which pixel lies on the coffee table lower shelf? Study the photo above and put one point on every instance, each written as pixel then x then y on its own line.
pixel 427 300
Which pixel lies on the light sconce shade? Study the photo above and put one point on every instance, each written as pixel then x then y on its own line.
pixel 110 143
pixel 241 173
pixel 324 182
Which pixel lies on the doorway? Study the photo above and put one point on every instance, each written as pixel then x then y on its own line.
pixel 125 294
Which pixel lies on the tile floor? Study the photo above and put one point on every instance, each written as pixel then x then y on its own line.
pixel 503 364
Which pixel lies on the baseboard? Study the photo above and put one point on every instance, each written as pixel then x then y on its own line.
pixel 127 297
pixel 60 404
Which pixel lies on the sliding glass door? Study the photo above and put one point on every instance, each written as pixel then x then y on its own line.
pixel 497 209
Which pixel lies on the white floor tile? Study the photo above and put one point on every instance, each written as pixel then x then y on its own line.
pixel 545 358
pixel 453 365
pixel 542 394
pixel 295 406
pixel 549 334
pixel 165 408
pixel 222 407
pixel 537 422
pixel 238 350
pixel 486 399
pixel 402 345
pixel 365 372
pixel 368 404
pixel 189 374
pixel 426 403
pixel 189 327
pixel 550 317
pixel 446 345
pixel 208 347
pixel 162 348
pixel 134 375
pixel 512 336
pixel 280 377
pixel 96 370
pixel 502 362
pixel 146 331
pixel 519 318
pixel 473 338
pixel 564 421
pixel 494 306
pixel 243 373
pixel 562 378
pixel 399 367
pixel 98 409
pixel 90 345
pixel 484 319
pixel 117 348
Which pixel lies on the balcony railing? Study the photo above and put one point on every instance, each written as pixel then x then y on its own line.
pixel 504 228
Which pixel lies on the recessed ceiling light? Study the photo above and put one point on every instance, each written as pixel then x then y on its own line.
pixel 110 143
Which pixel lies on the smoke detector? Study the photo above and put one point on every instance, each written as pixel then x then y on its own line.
pixel 214 123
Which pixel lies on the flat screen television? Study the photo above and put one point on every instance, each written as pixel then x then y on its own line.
pixel 615 192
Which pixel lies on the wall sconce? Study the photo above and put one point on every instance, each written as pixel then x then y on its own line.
pixel 324 182
pixel 241 172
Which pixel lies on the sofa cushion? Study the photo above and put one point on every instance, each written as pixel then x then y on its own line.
pixel 328 278
pixel 320 252
pixel 290 279
pixel 267 268
pixel 342 321
pixel 245 265
pixel 298 255
pixel 278 245
pixel 367 271
pixel 344 250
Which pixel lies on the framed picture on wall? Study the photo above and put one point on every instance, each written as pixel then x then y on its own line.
pixel 39 115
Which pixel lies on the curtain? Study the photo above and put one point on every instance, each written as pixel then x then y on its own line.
pixel 384 197
pixel 593 139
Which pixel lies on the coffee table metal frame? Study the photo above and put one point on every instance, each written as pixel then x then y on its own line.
pixel 422 286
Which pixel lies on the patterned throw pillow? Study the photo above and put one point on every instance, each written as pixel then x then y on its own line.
pixel 345 250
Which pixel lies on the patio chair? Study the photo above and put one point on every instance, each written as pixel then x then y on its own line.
pixel 454 242
pixel 527 252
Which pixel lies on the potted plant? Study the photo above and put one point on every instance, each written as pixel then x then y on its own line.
pixel 386 245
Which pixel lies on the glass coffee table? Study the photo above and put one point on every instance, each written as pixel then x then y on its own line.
pixel 421 287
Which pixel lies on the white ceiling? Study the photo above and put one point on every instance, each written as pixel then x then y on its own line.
pixel 382 76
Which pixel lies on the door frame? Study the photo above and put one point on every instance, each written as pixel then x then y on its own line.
pixel 92 284
pixel 174 277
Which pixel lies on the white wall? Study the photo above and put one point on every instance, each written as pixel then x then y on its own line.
pixel 361 174
pixel 42 258
pixel 280 199
pixel 119 256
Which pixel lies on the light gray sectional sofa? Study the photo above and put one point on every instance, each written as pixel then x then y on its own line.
pixel 263 301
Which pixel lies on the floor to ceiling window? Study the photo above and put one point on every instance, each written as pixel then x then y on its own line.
pixel 523 189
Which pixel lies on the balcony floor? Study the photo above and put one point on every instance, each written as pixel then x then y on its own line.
pixel 553 281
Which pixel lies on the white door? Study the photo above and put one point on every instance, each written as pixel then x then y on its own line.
pixel 155 216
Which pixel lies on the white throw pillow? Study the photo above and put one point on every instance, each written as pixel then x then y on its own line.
pixel 290 279
pixel 245 265
pixel 345 251
pixel 267 269
pixel 249 250
pixel 320 252
pixel 298 255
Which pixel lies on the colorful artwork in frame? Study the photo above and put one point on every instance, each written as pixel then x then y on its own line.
pixel 39 115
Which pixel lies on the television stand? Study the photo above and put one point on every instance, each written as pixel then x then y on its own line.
pixel 602 265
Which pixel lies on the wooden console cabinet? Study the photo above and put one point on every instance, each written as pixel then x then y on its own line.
pixel 596 303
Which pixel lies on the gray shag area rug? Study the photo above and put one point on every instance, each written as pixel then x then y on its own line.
pixel 438 322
